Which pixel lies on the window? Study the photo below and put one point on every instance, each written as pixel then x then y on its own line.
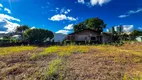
pixel 93 38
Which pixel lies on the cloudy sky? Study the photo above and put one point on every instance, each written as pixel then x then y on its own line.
pixel 60 15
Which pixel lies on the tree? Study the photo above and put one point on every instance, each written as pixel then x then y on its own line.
pixel 21 29
pixel 38 35
pixel 80 27
pixel 93 24
pixel 135 33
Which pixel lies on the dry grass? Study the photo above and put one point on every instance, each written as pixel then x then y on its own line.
pixel 106 62
pixel 72 62
pixel 9 50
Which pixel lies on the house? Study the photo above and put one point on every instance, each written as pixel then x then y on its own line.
pixel 139 38
pixel 16 37
pixel 4 35
pixel 89 35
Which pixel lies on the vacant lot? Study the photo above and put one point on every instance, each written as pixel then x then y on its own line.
pixel 101 62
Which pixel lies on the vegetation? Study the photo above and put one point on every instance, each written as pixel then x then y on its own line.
pixel 38 35
pixel 9 50
pixel 135 33
pixel 21 29
pixel 73 62
pixel 61 51
pixel 93 24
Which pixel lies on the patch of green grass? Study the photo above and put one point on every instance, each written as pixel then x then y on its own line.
pixel 62 51
pixel 132 78
pixel 52 71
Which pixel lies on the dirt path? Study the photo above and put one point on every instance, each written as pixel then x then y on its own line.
pixel 89 67
pixel 19 66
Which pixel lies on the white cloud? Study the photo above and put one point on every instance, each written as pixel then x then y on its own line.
pixel 7 17
pixel 123 16
pixel 61 11
pixel 140 28
pixel 57 8
pixel 137 11
pixel 60 17
pixel 32 27
pixel 63 31
pixel 11 27
pixel 128 28
pixel 69 27
pixel 130 13
pixel 81 1
pixel 8 10
pixel 64 11
pixel 66 29
pixel 6 21
pixel 99 2
pixel 107 30
pixel 1 5
pixel 94 2
pixel 67 11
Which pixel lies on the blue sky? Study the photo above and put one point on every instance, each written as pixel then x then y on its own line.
pixel 60 15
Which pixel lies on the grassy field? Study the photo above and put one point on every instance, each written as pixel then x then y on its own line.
pixel 72 62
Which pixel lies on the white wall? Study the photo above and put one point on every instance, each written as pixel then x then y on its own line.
pixel 139 39
pixel 82 37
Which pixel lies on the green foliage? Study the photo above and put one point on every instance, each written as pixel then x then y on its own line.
pixel 93 24
pixel 54 65
pixel 80 27
pixel 38 35
pixel 52 72
pixel 21 29
pixel 135 33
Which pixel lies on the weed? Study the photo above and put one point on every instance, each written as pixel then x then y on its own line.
pixel 52 71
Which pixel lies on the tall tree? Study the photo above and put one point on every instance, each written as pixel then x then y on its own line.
pixel 80 27
pixel 39 35
pixel 21 29
pixel 93 24
pixel 135 33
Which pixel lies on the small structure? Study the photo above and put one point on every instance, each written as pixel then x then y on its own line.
pixel 139 38
pixel 16 37
pixel 89 35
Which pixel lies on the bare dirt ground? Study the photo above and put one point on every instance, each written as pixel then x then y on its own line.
pixel 100 63
pixel 19 66
pixel 88 67
pixel 113 63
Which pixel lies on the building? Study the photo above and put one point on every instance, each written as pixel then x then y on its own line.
pixel 16 37
pixel 4 35
pixel 139 38
pixel 117 29
pixel 90 35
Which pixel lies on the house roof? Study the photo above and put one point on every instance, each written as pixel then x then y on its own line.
pixel 106 33
pixel 82 31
